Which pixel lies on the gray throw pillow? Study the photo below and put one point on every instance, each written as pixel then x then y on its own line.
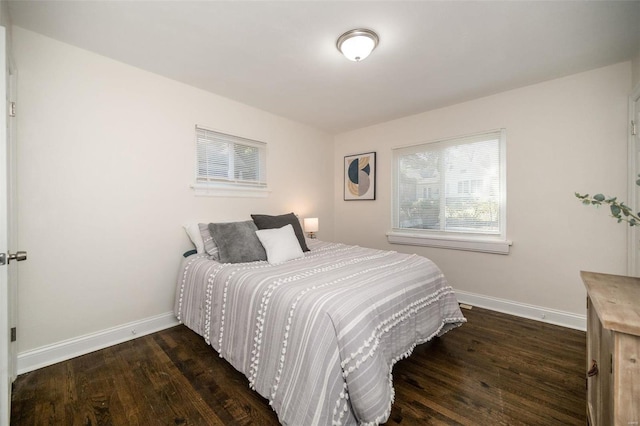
pixel 237 242
pixel 264 221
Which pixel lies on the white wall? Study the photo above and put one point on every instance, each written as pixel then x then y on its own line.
pixel 106 159
pixel 563 136
pixel 106 156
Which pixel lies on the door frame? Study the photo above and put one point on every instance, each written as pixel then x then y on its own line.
pixel 633 154
pixel 12 209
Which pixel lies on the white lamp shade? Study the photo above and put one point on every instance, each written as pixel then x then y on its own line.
pixel 356 45
pixel 311 224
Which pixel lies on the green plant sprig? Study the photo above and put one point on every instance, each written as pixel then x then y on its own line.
pixel 619 210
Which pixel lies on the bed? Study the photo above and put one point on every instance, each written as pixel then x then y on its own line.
pixel 318 335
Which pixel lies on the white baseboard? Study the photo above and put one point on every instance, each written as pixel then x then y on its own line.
pixel 538 313
pixel 67 349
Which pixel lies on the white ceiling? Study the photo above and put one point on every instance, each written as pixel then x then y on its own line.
pixel 281 56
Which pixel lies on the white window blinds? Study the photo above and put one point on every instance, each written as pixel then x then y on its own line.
pixel 455 185
pixel 230 160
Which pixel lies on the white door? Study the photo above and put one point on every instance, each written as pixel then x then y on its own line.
pixel 7 294
pixel 5 333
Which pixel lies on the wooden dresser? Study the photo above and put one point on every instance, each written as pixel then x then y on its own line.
pixel 613 349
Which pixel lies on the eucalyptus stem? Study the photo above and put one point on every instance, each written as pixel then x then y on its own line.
pixel 619 210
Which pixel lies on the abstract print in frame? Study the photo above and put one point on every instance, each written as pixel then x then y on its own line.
pixel 360 177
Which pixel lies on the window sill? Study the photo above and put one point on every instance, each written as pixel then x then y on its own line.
pixel 202 190
pixel 480 244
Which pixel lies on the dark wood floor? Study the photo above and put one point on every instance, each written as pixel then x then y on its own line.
pixel 494 370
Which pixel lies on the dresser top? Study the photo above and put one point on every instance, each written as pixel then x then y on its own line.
pixel 616 299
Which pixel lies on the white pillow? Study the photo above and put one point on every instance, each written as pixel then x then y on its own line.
pixel 281 244
pixel 193 231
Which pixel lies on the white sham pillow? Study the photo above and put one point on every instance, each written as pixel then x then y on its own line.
pixel 281 244
pixel 209 244
pixel 193 231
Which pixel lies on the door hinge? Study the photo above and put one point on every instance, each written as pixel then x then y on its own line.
pixel 13 334
pixel 634 131
pixel 12 109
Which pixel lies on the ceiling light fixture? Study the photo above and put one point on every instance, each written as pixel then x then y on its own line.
pixel 356 45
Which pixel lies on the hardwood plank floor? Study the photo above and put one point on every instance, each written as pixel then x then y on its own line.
pixel 495 370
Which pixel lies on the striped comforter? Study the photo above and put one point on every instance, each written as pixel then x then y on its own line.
pixel 318 336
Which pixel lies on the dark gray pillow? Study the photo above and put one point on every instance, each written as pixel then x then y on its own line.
pixel 237 242
pixel 264 221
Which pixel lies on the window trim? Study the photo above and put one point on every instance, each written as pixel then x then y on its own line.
pixel 462 242
pixel 488 243
pixel 229 187
pixel 222 190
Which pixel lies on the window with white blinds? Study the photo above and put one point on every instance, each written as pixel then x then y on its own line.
pixel 227 161
pixel 451 187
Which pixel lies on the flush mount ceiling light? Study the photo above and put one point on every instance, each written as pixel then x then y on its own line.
pixel 356 45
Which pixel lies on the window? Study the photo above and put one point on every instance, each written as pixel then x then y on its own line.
pixel 229 165
pixel 451 193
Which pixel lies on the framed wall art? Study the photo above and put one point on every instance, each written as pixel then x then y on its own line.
pixel 360 177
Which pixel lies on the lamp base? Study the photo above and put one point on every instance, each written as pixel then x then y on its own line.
pixel 312 235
